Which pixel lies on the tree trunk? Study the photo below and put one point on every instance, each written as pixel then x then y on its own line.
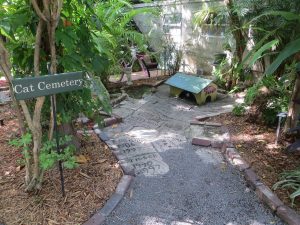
pixel 236 29
pixel 50 14
pixel 294 107
pixel 240 40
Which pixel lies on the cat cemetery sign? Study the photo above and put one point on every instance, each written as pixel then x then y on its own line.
pixel 33 87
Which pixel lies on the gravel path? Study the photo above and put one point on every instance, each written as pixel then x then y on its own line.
pixel 178 183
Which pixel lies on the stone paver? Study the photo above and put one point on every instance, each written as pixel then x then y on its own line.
pixel 178 183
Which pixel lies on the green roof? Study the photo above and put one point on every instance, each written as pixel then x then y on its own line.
pixel 188 82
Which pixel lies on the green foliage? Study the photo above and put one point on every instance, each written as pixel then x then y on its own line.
pixel 100 91
pixel 259 53
pixel 49 155
pixel 24 142
pixel 290 180
pixel 91 36
pixel 278 99
pixel 291 48
pixel 213 15
pixel 239 110
pixel 220 73
pixel 118 33
pixel 252 92
pixel 274 105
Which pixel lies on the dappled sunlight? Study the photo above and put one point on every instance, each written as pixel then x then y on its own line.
pixel 161 141
pixel 151 220
pixel 186 14
pixel 254 139
pixel 253 222
pixel 243 137
pixel 180 107
pixel 145 135
pixel 240 100
pixel 272 146
pixel 229 106
pixel 209 157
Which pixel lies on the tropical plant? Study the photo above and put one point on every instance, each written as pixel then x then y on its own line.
pixel 271 96
pixel 115 33
pixel 79 35
pixel 288 51
pixel 290 180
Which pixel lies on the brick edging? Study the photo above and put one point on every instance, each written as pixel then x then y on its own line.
pixel 263 192
pixel 112 120
pixel 99 217
pixel 124 184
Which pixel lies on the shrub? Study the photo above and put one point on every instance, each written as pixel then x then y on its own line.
pixel 239 110
pixel 270 96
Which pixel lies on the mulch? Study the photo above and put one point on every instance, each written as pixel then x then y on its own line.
pixel 87 187
pixel 256 144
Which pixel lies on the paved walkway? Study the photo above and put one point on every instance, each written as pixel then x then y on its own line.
pixel 178 183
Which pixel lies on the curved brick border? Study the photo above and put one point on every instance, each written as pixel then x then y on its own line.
pixel 264 193
pixel 99 217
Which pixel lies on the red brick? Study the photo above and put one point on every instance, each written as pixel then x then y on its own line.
pixel 201 142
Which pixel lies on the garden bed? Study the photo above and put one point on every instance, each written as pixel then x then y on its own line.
pixel 255 143
pixel 88 187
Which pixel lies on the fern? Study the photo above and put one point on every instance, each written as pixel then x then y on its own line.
pixel 290 180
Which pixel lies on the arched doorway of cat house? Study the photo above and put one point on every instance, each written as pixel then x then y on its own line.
pixel 208 99
pixel 186 95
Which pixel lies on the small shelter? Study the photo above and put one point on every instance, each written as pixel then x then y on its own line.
pixel 204 90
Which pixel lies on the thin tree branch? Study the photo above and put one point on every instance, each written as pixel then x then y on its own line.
pixel 38 10
pixel 38 38
pixel 38 109
pixel 46 9
pixel 59 8
pixel 27 114
pixel 56 10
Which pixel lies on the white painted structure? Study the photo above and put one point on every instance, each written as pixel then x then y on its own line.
pixel 175 23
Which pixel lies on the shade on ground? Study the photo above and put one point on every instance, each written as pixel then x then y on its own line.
pixel 177 183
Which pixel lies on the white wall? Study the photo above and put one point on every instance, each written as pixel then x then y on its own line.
pixel 198 45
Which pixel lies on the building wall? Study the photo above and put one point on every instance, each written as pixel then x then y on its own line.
pixel 198 45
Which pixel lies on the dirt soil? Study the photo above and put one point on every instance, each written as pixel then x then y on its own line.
pixel 255 143
pixel 87 187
